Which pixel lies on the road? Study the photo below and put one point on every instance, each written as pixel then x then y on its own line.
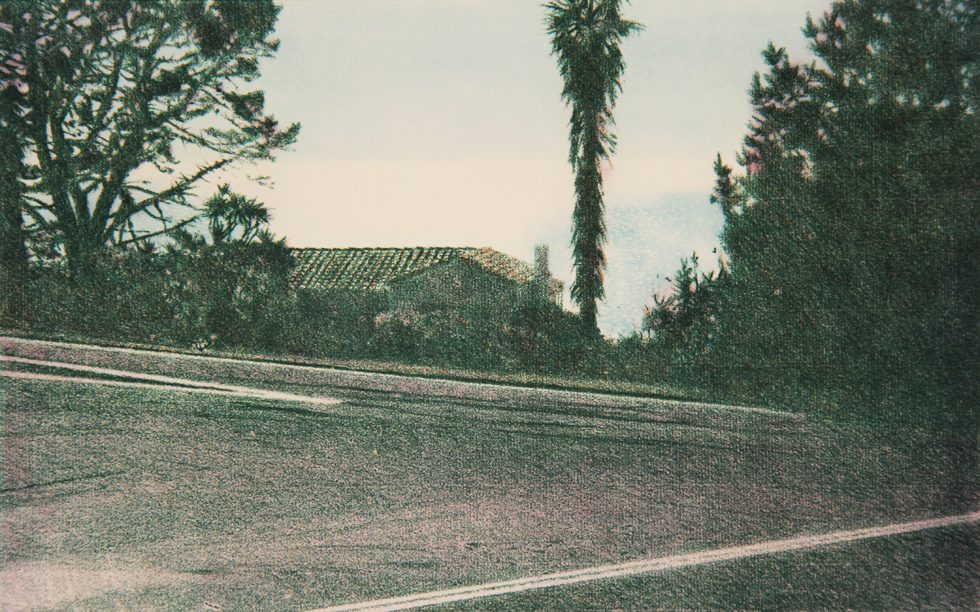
pixel 311 487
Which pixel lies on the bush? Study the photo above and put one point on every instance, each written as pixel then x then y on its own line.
pixel 543 338
pixel 236 295
pixel 232 295
pixel 335 323
pixel 124 298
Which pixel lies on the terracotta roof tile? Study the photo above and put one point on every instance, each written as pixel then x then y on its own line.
pixel 373 268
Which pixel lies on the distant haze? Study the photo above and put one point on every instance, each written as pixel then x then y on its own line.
pixel 440 123
pixel 646 244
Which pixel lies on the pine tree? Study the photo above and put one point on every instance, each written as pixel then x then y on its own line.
pixel 113 91
pixel 854 234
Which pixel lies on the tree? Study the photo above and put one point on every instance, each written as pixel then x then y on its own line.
pixel 232 216
pixel 585 38
pixel 13 249
pixel 853 229
pixel 686 314
pixel 111 89
pixel 725 193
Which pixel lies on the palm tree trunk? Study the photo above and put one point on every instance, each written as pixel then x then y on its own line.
pixel 589 233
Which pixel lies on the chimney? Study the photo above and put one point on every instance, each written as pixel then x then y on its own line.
pixel 541 271
pixel 546 287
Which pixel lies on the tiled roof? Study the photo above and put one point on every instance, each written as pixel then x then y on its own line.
pixel 372 268
pixel 500 264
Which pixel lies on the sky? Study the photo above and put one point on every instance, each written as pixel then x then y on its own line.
pixel 440 123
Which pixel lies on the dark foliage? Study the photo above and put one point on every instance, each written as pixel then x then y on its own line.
pixel 853 232
pixel 236 296
pixel 585 39
pixel 100 99
pixel 228 294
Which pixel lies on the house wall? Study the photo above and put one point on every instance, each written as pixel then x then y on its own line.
pixel 457 285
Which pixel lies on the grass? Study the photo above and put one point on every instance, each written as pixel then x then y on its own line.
pixel 573 383
pixel 154 499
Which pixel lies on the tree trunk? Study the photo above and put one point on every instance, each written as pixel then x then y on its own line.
pixel 590 324
pixel 82 249
pixel 13 264
pixel 589 232
pixel 13 250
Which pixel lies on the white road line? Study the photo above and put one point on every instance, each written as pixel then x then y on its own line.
pixel 385 375
pixel 646 566
pixel 157 382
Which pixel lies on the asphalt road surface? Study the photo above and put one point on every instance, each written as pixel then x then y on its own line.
pixel 135 479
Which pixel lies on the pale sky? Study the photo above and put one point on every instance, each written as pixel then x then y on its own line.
pixel 440 123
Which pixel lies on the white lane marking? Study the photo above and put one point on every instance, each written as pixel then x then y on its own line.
pixel 568 393
pixel 646 566
pixel 166 382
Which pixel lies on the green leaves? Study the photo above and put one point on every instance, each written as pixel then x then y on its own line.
pixel 232 216
pixel 585 39
pixel 113 86
pixel 853 207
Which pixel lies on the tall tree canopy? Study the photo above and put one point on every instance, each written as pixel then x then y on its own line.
pixel 121 107
pixel 585 38
pixel 853 230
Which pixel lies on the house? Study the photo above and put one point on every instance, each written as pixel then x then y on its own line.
pixel 429 278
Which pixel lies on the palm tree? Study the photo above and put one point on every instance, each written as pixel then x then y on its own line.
pixel 585 38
